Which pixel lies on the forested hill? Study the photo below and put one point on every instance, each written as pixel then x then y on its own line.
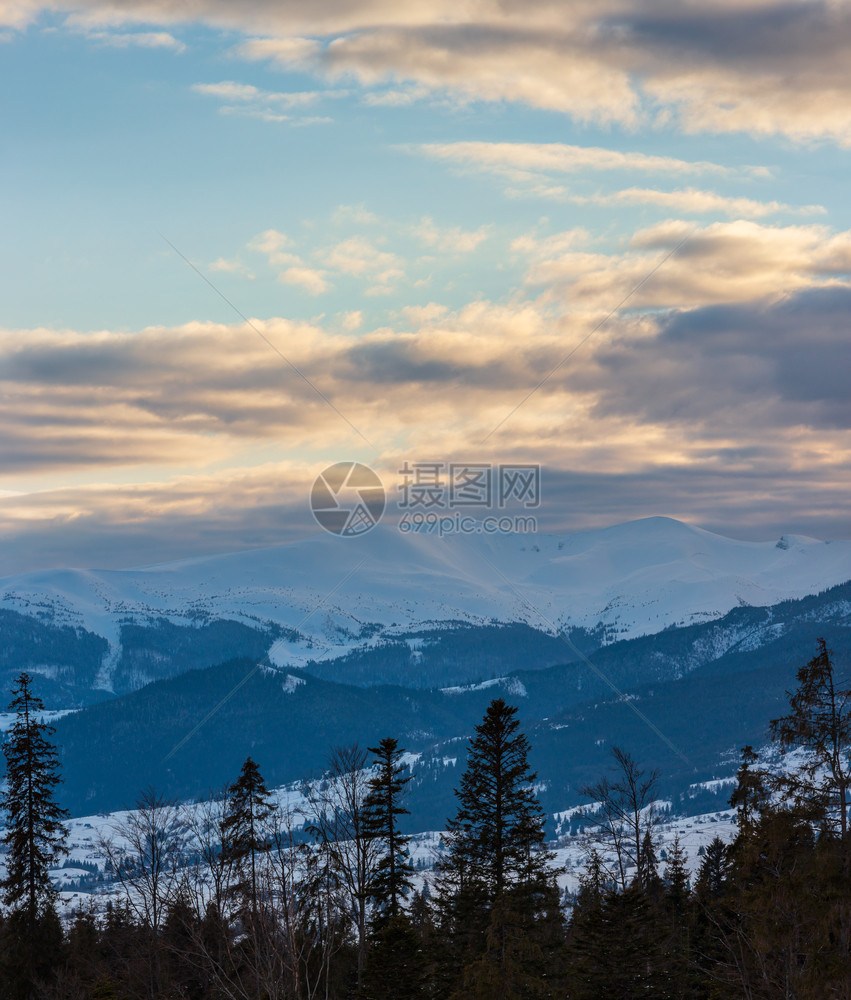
pixel 709 687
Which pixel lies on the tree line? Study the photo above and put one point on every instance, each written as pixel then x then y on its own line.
pixel 244 897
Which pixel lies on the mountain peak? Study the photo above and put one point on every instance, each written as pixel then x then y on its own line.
pixel 634 578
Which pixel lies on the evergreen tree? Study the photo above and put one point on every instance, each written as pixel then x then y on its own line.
pixel 30 953
pixel 767 903
pixel 510 966
pixel 585 941
pixel 632 946
pixel 614 940
pixel 648 865
pixel 714 870
pixel 495 877
pixel 499 828
pixel 396 966
pixel 820 722
pixel 180 935
pixel 248 808
pixel 676 876
pixel 391 880
pixel 679 915
pixel 750 797
pixel 34 838
pixel 35 835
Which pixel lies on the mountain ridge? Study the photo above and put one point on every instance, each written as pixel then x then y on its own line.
pixel 289 719
pixel 87 635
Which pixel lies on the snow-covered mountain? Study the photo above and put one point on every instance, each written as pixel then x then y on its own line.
pixel 340 594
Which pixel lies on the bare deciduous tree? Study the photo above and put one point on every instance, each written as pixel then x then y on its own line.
pixel 144 849
pixel 338 824
pixel 210 878
pixel 622 812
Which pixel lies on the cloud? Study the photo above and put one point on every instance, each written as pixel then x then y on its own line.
pixel 227 90
pixel 270 241
pixel 786 358
pixel 490 63
pixel 259 113
pixel 772 68
pixel 234 266
pixel 724 262
pixel 719 100
pixel 690 201
pixel 157 397
pixel 395 98
pixel 357 214
pixel 352 320
pixel 200 391
pixel 312 280
pixel 110 526
pixel 272 244
pixel 515 159
pixel 18 14
pixel 287 52
pixel 355 256
pixel 534 168
pixel 711 412
pixel 265 105
pixel 420 315
pixel 453 240
pixel 764 67
pixel 140 39
pixel 359 257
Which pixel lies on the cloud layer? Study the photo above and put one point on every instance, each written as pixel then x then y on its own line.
pixel 729 367
pixel 682 351
pixel 769 67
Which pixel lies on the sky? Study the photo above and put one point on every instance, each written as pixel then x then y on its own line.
pixel 241 242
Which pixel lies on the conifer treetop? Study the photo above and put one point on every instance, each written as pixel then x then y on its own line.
pixel 35 835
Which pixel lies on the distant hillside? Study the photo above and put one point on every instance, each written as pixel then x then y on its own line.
pixel 409 609
pixel 708 688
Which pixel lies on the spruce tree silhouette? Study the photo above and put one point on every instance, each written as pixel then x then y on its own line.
pixel 35 837
pixel 248 808
pixel 496 882
pixel 391 881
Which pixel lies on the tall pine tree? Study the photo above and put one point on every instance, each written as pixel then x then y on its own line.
pixel 394 966
pixel 244 832
pixel 34 838
pixel 820 722
pixel 495 881
pixel 391 881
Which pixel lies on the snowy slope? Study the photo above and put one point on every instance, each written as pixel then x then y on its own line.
pixel 636 578
pixel 570 852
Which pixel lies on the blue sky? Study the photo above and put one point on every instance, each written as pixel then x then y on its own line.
pixel 424 208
